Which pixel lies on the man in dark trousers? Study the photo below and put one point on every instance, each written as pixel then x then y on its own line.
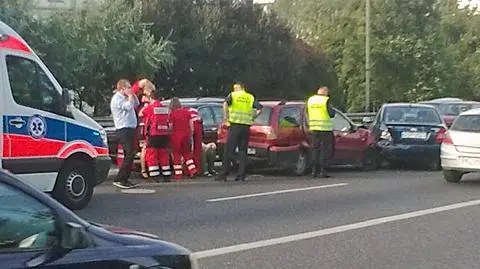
pixel 123 106
pixel 239 109
pixel 320 125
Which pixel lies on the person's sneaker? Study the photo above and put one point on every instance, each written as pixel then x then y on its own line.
pixel 124 185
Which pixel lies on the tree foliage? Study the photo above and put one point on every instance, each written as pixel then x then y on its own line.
pixel 218 42
pixel 416 46
pixel 89 50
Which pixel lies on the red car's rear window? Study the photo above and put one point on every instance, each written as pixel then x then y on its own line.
pixel 264 118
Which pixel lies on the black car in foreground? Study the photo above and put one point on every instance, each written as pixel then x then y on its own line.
pixel 38 232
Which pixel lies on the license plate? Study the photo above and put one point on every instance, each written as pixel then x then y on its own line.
pixel 414 135
pixel 250 151
pixel 470 161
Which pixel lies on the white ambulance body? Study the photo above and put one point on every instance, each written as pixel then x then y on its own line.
pixel 46 141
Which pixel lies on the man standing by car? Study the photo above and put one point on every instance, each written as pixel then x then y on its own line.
pixel 239 109
pixel 123 106
pixel 320 125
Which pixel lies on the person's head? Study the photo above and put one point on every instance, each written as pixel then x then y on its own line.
pixel 323 91
pixel 175 103
pixel 149 89
pixel 123 85
pixel 238 86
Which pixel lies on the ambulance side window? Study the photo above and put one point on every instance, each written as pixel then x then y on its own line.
pixel 30 85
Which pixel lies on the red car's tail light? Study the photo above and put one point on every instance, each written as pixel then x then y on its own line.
pixel 270 134
pixel 441 136
pixel 446 139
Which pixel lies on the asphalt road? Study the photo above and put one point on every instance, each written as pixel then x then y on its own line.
pixel 352 220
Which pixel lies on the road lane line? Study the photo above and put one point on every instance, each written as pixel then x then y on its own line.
pixel 275 192
pixel 328 231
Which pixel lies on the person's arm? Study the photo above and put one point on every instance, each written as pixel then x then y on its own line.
pixel 330 109
pixel 258 107
pixel 226 104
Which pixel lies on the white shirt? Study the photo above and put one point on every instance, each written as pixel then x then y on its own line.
pixel 123 111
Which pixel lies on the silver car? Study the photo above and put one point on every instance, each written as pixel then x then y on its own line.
pixel 460 151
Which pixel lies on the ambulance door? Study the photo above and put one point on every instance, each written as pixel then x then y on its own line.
pixel 34 129
pixel 3 127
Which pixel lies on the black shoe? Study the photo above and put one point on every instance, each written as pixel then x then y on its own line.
pixel 124 185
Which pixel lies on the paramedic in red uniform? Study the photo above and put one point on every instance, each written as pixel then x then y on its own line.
pixel 197 138
pixel 182 131
pixel 123 106
pixel 157 133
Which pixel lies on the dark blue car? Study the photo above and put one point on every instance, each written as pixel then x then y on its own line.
pixel 409 133
pixel 38 232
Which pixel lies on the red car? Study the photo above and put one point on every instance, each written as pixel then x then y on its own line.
pixel 450 108
pixel 279 138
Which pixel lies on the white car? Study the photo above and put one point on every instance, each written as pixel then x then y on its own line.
pixel 460 151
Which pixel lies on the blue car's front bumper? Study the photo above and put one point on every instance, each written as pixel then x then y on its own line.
pixel 409 153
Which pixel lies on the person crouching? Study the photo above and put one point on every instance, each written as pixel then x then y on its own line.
pixel 182 131
pixel 157 133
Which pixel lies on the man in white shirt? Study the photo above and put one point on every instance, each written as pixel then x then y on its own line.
pixel 123 105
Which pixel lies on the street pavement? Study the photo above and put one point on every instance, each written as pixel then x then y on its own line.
pixel 380 219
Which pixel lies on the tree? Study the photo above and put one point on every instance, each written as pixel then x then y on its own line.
pixel 410 59
pixel 218 42
pixel 89 50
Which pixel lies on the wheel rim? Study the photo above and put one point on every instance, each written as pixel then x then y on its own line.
pixel 76 185
pixel 301 163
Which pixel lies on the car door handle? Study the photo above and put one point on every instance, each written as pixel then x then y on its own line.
pixel 17 122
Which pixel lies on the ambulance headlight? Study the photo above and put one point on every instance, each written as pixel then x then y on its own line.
pixel 103 134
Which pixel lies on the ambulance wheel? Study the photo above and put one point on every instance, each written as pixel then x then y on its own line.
pixel 74 187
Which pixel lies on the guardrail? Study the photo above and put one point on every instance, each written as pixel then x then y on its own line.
pixel 107 122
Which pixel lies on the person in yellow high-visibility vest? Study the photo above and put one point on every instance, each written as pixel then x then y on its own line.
pixel 320 125
pixel 240 110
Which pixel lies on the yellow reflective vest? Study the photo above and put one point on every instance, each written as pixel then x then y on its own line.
pixel 317 111
pixel 241 110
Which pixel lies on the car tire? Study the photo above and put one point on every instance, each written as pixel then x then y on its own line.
pixel 74 186
pixel 301 165
pixel 369 160
pixel 452 176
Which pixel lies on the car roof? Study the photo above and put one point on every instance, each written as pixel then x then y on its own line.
pixel 475 111
pixel 272 103
pixel 443 100
pixel 199 100
pixel 407 104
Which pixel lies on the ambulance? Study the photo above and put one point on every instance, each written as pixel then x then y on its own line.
pixel 46 141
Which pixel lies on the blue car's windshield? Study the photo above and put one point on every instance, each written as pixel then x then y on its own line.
pixel 411 114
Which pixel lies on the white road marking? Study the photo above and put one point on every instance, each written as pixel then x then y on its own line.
pixel 333 230
pixel 275 192
pixel 138 191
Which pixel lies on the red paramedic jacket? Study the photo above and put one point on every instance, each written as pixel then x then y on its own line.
pixel 156 118
pixel 180 120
